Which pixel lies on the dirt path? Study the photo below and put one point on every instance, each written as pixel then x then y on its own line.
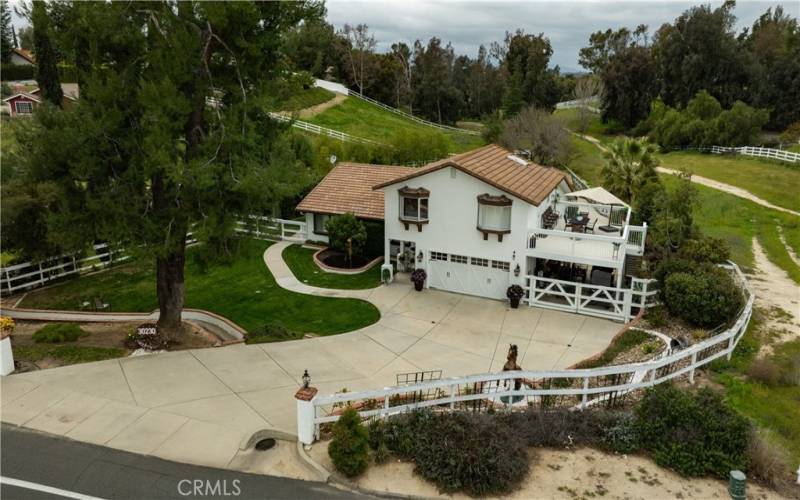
pixel 777 294
pixel 306 113
pixel 789 250
pixel 736 191
pixel 721 186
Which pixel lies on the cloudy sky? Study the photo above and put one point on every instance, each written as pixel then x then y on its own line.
pixel 468 24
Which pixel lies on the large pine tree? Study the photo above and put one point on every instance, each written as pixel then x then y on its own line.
pixel 6 35
pixel 46 56
pixel 169 134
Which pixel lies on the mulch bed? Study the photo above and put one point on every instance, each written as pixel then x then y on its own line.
pixel 338 260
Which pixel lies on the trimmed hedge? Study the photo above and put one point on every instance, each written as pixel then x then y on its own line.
pixel 349 448
pixel 705 297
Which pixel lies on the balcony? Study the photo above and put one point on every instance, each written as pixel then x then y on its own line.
pixel 589 233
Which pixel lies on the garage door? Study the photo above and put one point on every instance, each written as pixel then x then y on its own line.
pixel 469 275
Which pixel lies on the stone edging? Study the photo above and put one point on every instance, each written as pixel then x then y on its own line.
pixel 334 270
pixel 235 331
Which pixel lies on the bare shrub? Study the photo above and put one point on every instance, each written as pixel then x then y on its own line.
pixel 540 133
pixel 765 371
pixel 769 463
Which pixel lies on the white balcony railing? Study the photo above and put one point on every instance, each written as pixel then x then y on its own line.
pixel 586 247
pixel 636 239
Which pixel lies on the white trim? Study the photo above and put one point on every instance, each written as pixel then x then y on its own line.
pixel 22 94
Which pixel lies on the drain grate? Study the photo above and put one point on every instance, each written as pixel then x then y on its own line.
pixel 265 444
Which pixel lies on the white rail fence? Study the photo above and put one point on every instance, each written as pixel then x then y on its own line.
pixel 574 388
pixel 590 104
pixel 421 121
pixel 29 275
pixel 621 304
pixel 577 181
pixel 328 132
pixel 772 154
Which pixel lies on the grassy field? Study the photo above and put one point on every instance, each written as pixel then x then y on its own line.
pixel 596 129
pixel 306 99
pixel 360 118
pixel 300 261
pixel 777 183
pixel 243 291
pixel 737 221
pixel 586 161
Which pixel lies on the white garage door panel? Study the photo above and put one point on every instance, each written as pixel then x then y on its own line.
pixel 471 279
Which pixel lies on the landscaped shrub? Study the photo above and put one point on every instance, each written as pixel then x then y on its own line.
pixel 271 332
pixel 693 433
pixel 619 433
pixel 555 428
pixel 470 452
pixel 349 448
pixel 707 297
pixel 58 332
pixel 705 249
pixel 373 247
pixel 343 228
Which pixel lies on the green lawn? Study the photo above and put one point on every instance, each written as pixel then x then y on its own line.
pixel 243 291
pixel 737 221
pixel 362 119
pixel 596 129
pixel 301 262
pixel 777 183
pixel 794 148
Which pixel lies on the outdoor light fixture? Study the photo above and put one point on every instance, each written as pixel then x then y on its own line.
pixel 306 379
pixel 419 256
pixel 517 270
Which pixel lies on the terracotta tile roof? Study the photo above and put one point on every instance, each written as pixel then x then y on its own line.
pixel 25 54
pixel 348 188
pixel 498 167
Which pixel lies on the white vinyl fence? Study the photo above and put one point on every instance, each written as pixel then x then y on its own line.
pixel 590 104
pixel 573 388
pixel 29 275
pixel 413 118
pixel 316 129
pixel 772 154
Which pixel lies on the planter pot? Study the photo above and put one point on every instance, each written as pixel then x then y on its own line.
pixel 418 285
pixel 514 303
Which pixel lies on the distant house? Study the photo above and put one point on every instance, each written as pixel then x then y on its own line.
pixel 22 57
pixel 23 103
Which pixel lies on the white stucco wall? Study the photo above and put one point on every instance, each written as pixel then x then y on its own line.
pixel 453 216
pixel 311 234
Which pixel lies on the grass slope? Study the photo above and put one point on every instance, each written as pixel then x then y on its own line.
pixel 772 181
pixel 243 291
pixel 360 118
pixel 306 99
pixel 300 260
pixel 586 161
pixel 737 221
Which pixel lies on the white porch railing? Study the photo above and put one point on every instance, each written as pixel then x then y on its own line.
pixel 578 388
pixel 636 239
pixel 590 248
pixel 28 275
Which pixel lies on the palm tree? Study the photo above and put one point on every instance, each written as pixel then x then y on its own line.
pixel 630 164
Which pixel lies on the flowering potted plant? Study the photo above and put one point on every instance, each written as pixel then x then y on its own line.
pixel 418 278
pixel 514 294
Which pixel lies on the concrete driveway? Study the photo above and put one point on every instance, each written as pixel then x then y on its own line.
pixel 196 406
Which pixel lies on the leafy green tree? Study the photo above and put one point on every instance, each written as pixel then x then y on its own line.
pixel 623 60
pixel 700 51
pixel 6 36
pixel 46 57
pixel 435 95
pixel 314 47
pixel 346 234
pixel 630 164
pixel 530 82
pixel 169 134
pixel 26 38
pixel 672 222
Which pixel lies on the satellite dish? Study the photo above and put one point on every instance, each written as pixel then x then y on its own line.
pixel 333 159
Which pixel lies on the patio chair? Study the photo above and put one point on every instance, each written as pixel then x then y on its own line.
pixel 590 226
pixel 100 305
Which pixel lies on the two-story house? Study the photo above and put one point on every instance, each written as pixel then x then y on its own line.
pixel 480 221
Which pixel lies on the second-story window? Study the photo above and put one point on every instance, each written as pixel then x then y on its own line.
pixel 494 215
pixel 414 206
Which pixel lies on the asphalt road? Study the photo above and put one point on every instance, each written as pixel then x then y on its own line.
pixel 82 470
